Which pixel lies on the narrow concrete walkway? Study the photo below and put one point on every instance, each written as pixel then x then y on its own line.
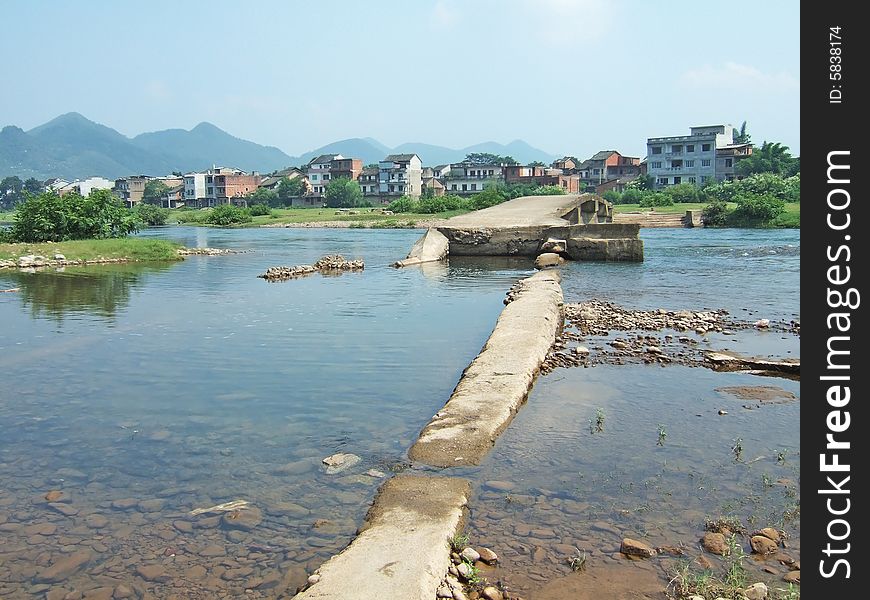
pixel 496 383
pixel 527 211
pixel 403 549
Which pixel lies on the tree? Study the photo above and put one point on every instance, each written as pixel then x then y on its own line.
pixel 343 193
pixel 290 188
pixel 742 137
pixel 263 196
pixel 10 191
pixel 488 158
pixel 771 157
pixel 536 163
pixel 155 191
pixel 228 214
pixel 149 214
pixel 33 186
pixel 49 217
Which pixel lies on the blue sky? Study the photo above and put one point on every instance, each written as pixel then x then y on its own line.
pixel 567 76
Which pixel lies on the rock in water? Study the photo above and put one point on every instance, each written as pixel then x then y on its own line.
pixel 340 462
pixel 715 543
pixel 635 548
pixel 244 519
pixel 762 545
pixel 63 568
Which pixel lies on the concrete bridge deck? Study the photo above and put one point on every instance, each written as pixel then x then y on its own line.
pixel 527 211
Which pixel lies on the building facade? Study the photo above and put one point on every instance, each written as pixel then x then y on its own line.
pixel 689 158
pixel 532 175
pixel 400 175
pixel 463 179
pixel 130 189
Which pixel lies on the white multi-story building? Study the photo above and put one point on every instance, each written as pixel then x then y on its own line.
pixel 466 178
pixel 400 175
pixel 688 158
pixel 194 188
pixel 318 171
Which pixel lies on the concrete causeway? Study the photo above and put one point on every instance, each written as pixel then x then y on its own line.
pixel 496 383
pixel 402 550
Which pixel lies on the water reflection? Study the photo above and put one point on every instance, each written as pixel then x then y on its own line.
pixel 101 290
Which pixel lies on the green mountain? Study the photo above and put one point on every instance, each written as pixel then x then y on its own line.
pixel 73 147
pixel 206 145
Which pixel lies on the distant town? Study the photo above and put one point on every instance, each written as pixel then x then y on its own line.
pixel 706 154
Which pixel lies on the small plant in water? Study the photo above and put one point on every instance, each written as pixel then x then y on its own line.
pixel 737 449
pixel 780 456
pixel 766 480
pixel 598 424
pixel 474 576
pixel 577 562
pixel 458 542
pixel 662 435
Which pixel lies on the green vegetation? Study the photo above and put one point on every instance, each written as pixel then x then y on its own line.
pixel 343 193
pixel 13 190
pixel 487 158
pixel 458 542
pixel 155 191
pixel 228 214
pixel 149 214
pixel 133 249
pixel 51 217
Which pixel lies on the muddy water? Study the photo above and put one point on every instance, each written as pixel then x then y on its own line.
pixel 642 451
pixel 135 394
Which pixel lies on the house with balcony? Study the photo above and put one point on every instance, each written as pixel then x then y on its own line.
pixel 464 179
pixel 318 172
pixel 605 166
pixel 400 175
pixel 539 176
pixel 233 186
pixel 130 189
pixel 84 187
pixel 727 158
pixel 368 182
pixel 692 158
pixel 194 189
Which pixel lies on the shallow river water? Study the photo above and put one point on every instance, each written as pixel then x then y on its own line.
pixel 138 393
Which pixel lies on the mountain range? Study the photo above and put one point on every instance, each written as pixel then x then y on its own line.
pixel 74 147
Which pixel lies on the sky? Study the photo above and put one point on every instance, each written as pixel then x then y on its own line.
pixel 567 76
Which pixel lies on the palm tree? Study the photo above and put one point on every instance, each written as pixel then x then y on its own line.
pixel 741 137
pixel 771 157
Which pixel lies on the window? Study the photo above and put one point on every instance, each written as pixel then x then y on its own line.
pixel 325 177
pixel 453 187
pixel 705 162
pixel 662 181
pixel 473 187
pixel 315 177
pixel 705 147
pixel 677 149
pixel 656 149
pixel 690 147
pixel 704 178
pixel 692 180
pixel 729 162
pixel 690 164
pixel 656 164
pixel 464 187
pixel 596 171
pixel 678 180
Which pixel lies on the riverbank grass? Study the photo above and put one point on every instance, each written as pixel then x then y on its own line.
pixel 132 249
pixel 359 217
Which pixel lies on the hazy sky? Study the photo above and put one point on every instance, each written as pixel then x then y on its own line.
pixel 567 76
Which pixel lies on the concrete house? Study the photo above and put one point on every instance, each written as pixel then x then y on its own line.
pixel 531 175
pixel 464 179
pixel 400 175
pixel 194 189
pixel 607 165
pixel 319 173
pixel 130 189
pixel 84 187
pixel 690 158
pixel 368 182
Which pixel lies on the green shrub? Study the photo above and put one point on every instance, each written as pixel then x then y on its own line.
pixel 403 205
pixel 682 192
pixel 228 214
pixel 612 196
pixel 488 197
pixel 631 196
pixel 651 199
pixel 757 207
pixel 549 190
pixel 48 217
pixel 715 214
pixel 192 216
pixel 149 214
pixel 259 210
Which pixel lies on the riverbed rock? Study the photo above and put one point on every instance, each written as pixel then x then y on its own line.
pixel 123 591
pixel 213 550
pixel 154 573
pixel 245 519
pixel 633 547
pixel 464 570
pixel 124 503
pixel 152 505
pixel 763 545
pixel 470 554
pixel 64 567
pixel 96 521
pixel 40 529
pixel 771 534
pixel 488 556
pixel 756 591
pixel 491 593
pixel 792 577
pixel 499 486
pixel 554 245
pixel 715 543
pixel 548 259
pixel 54 496
pixel 64 509
pixel 340 462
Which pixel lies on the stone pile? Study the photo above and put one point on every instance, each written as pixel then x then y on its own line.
pixel 463 581
pixel 333 263
pixel 207 251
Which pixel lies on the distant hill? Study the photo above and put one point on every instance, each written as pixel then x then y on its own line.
pixel 74 147
pixel 206 145
pixel 71 146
